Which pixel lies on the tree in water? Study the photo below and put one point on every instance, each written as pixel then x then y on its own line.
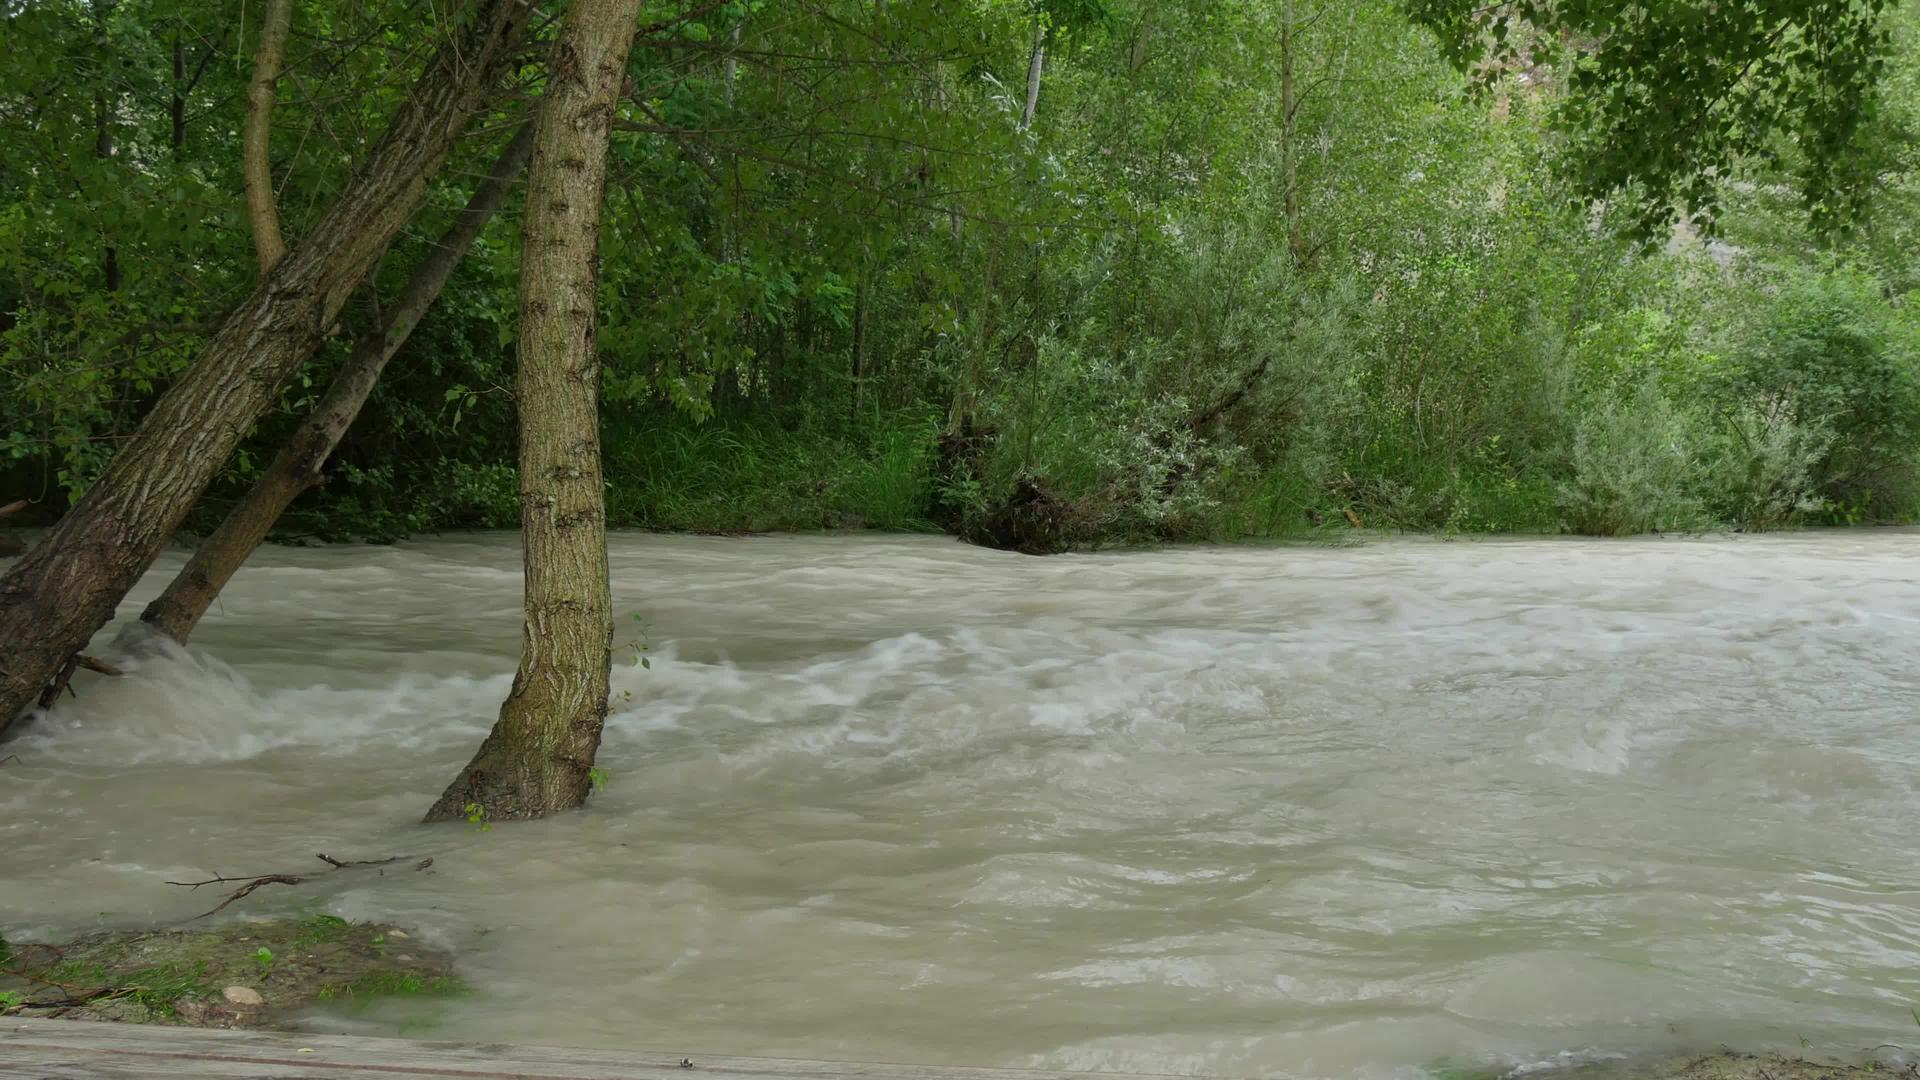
pixel 539 757
pixel 55 598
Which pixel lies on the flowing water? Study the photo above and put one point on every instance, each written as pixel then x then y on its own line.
pixel 1287 812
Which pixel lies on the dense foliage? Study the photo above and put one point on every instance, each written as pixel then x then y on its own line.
pixel 1239 269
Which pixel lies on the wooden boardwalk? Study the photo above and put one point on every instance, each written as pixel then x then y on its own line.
pixel 87 1050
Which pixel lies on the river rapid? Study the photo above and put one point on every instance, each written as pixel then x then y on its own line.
pixel 1291 812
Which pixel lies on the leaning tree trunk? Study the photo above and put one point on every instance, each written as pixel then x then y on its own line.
pixel 176 611
pixel 53 600
pixel 538 759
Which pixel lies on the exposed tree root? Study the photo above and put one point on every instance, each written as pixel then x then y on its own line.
pixel 1033 521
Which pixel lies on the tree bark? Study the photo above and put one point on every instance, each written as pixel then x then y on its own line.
pixel 860 300
pixel 183 85
pixel 1036 64
pixel 256 135
pixel 732 64
pixel 296 468
pixel 1137 58
pixel 55 598
pixel 177 111
pixel 538 760
pixel 103 132
pixel 1289 151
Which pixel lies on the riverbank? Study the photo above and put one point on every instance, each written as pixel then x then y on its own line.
pixel 246 974
pixel 1339 530
pixel 267 975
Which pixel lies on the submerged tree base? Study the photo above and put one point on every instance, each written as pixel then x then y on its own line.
pixel 244 975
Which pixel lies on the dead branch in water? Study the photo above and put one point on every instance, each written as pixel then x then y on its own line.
pixel 286 879
pixel 338 865
pixel 247 890
pixel 95 664
pixel 63 680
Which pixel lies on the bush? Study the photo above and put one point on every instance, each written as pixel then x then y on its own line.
pixel 889 486
pixel 1123 466
pixel 477 496
pixel 1838 357
pixel 1633 469
pixel 1763 474
pixel 670 473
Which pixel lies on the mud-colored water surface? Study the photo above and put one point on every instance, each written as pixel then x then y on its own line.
pixel 1282 812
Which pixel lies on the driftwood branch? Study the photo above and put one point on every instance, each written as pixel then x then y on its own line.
pixel 339 865
pixel 96 664
pixel 250 884
pixel 247 890
pixel 13 507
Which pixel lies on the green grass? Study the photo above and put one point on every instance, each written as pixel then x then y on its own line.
pixel 159 989
pixel 393 984
pixel 322 930
pixel 720 477
pixel 145 976
pixel 77 971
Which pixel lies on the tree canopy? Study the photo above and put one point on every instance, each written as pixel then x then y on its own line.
pixel 1665 101
pixel 1247 265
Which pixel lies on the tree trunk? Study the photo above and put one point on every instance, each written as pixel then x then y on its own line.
pixel 1137 58
pixel 538 760
pixel 103 131
pixel 177 137
pixel 732 64
pixel 1036 64
pixel 256 135
pixel 183 85
pixel 860 294
pixel 54 599
pixel 1289 151
pixel 176 611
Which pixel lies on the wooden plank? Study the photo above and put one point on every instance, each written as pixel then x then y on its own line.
pixel 63 1049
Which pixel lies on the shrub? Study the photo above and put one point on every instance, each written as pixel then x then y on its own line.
pixel 1839 357
pixel 1633 469
pixel 1763 476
